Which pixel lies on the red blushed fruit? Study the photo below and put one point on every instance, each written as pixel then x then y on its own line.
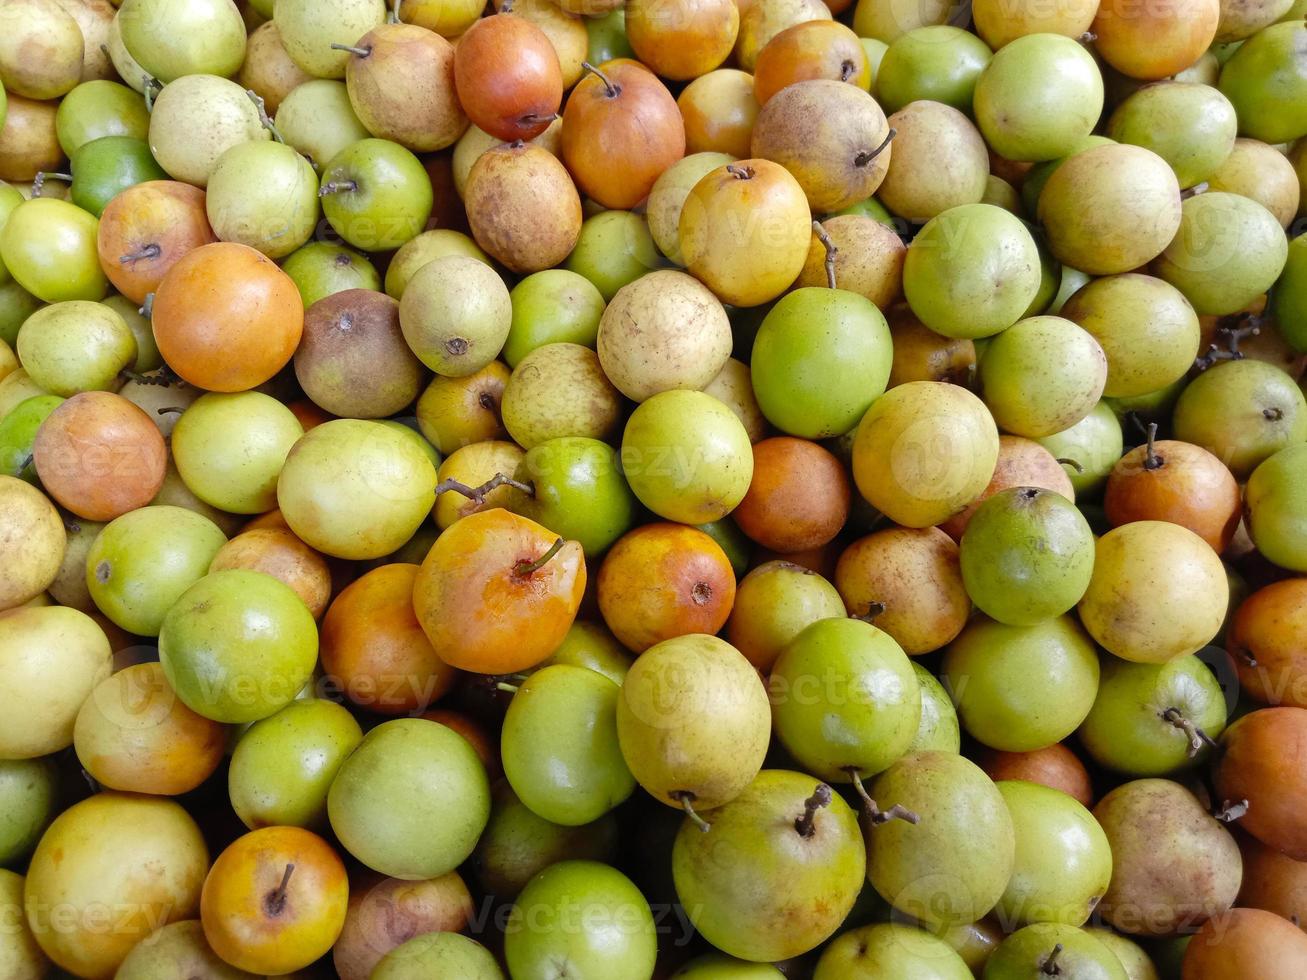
pixel 508 78
pixel 799 496
pixel 621 130
pixel 145 229
pixel 1055 766
pixel 665 580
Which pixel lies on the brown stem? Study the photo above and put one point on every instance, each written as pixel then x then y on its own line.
pixel 27 461
pixel 1089 37
pixel 264 119
pixel 874 609
pixel 525 568
pixel 478 494
pixel 1048 965
pixel 1246 655
pixel 738 172
pixel 352 49
pixel 169 410
pixel 1197 737
pixel 71 526
pixel 531 118
pixel 1152 461
pixel 1231 811
pixel 831 252
pixel 163 378
pixel 274 903
pixel 686 799
pixel 392 17
pixel 1273 414
pixel 806 825
pixel 866 156
pixel 847 69
pixel 612 91
pixel 337 186
pixel 151 88
pixel 151 251
pixel 1068 461
pixel 874 813
pixel 1194 191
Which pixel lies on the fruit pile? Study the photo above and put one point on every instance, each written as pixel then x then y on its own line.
pixel 715 489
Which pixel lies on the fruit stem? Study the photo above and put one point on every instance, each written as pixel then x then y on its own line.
pixel 38 184
pixel 874 813
pixel 26 463
pixel 739 173
pixel 151 87
pixel 1152 461
pixel 264 119
pixel 169 410
pixel 1197 737
pixel 1048 965
pixel 337 186
pixel 1068 461
pixel 275 902
pixel 831 252
pixel 478 494
pixel 847 69
pixel 146 309
pixel 393 16
pixel 613 91
pixel 506 7
pixel 1272 414
pixel 525 568
pixel 686 799
pixel 1194 191
pixel 874 608
pixel 806 825
pixel 353 49
pixel 1089 37
pixel 1246 656
pixel 1231 811
pixel 866 156
pixel 71 526
pixel 531 118
pixel 163 378
pixel 151 251
pixel 505 686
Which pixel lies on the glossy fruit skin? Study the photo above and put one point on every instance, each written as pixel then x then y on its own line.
pixel 940 278
pixel 99 456
pixel 282 766
pixel 821 357
pixel 937 63
pixel 455 315
pixel 1271 880
pixel 1063 860
pixel 549 307
pixel 438 954
pixel 1158 42
pixel 923 451
pixel 622 946
pixel 508 78
pixel 693 719
pixel 1027 555
pixel 719 966
pixel 798 497
pixel 1254 767
pixel 195 38
pixel 677 427
pixel 134 734
pixel 1127 729
pixel 886 949
pixel 1110 209
pixel 237 645
pixel 1264 641
pixel 616 145
pixel 719 112
pixel 580 492
pixel 469 582
pixel 277 552
pixel 1042 375
pixel 1276 516
pixel 915 574
pixel 569 773
pixel 773 604
pixel 755 264
pixel 75 346
pixel 226 318
pixel 1190 125
pixel 143 561
pixel 1263 71
pixel 166 214
pixel 391 201
pixel 991 668
pixel 1021 463
pixel 844 699
pixel 373 646
pixel 1026 951
pixel 433 771
pixel 1172 863
pixel 54 656
pixel 736 904
pixel 48 246
pixel 1187 592
pixel 473 465
pixel 1055 766
pixel 107 166
pixel 245 924
pixel 113 850
pixel 686 44
pixel 664 580
pixel 30 794
pixel 308 29
pixel 1248 942
pixel 922 869
pixel 29 517
pixel 320 269
pixel 18 431
pixel 1189 487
